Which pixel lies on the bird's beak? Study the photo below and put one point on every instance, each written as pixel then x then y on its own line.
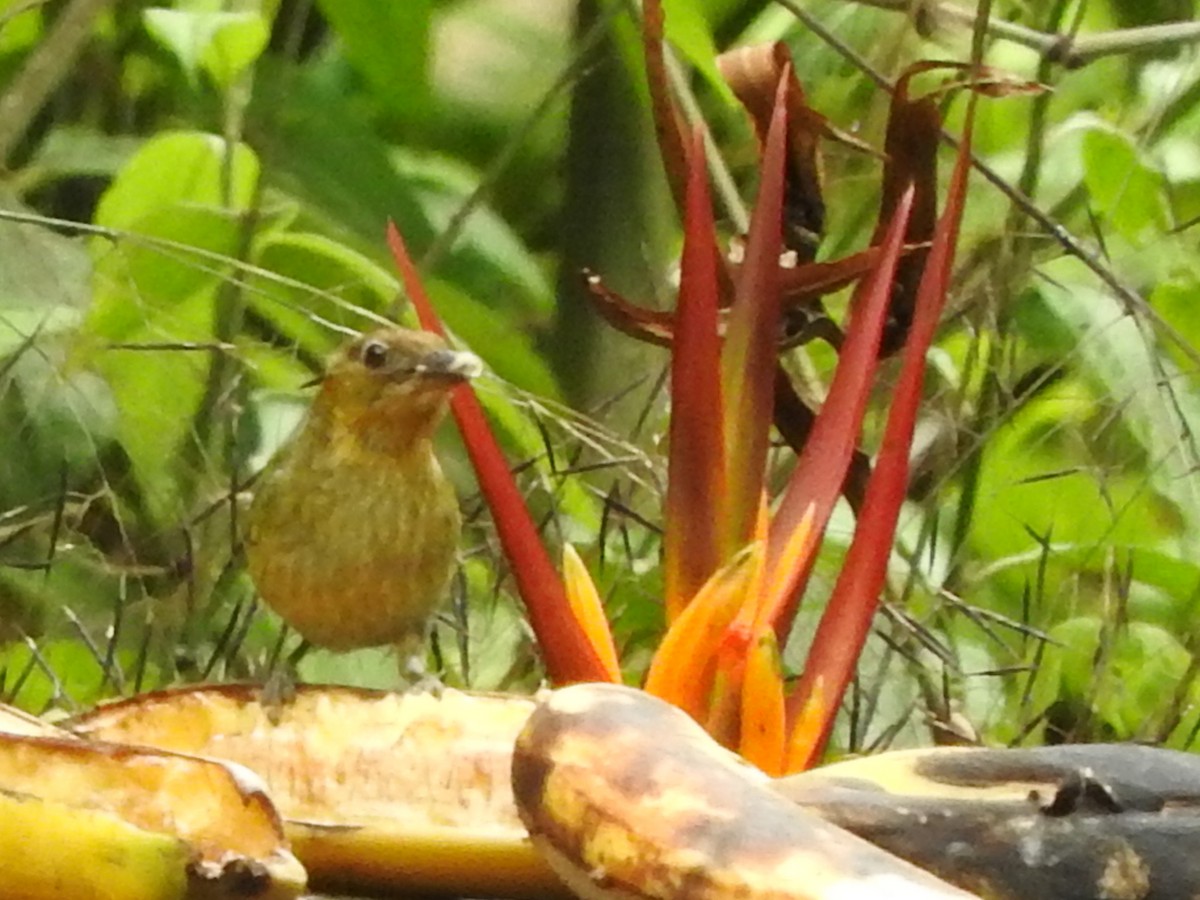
pixel 449 365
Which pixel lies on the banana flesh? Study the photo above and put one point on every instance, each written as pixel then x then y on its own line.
pixel 380 792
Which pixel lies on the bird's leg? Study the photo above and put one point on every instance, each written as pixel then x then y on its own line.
pixel 279 690
pixel 413 671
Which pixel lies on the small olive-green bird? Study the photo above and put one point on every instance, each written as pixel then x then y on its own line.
pixel 353 530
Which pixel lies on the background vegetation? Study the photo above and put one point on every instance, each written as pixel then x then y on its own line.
pixel 192 215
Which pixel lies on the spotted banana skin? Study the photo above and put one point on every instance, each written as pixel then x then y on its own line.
pixel 629 798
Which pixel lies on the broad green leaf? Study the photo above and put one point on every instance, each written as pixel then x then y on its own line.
pixel 55 423
pixel 175 190
pixel 1126 673
pixel 318 153
pixel 1125 189
pixel 1122 361
pixel 1041 476
pixel 688 29
pixel 223 44
pixel 20 25
pixel 179 168
pixel 78 679
pixel 158 394
pixel 388 43
pixel 44 282
pixel 507 349
pixel 484 241
pixel 69 150
pixel 1175 300
pixel 322 282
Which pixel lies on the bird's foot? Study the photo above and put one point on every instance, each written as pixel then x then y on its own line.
pixel 278 692
pixel 419 679
pixel 427 684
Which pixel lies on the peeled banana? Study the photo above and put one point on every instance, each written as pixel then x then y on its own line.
pixel 380 792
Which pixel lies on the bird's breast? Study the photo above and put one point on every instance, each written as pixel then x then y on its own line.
pixel 354 552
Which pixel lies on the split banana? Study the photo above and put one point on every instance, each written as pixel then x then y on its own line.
pixel 380 792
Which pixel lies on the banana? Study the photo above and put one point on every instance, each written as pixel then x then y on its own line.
pixel 1071 822
pixel 98 820
pixel 380 792
pixel 629 798
pixel 51 850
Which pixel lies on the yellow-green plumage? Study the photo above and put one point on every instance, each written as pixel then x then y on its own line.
pixel 353 530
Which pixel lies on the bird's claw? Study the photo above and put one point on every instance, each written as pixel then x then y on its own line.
pixel 277 692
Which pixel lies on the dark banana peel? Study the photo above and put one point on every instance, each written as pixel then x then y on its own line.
pixel 380 792
pixel 1078 822
pixel 629 798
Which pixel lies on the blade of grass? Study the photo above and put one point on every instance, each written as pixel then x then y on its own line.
pixel 847 620
pixel 696 493
pixel 568 654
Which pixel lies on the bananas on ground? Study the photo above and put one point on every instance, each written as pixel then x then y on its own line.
pixel 97 821
pixel 380 792
pixel 630 798
pixel 1072 822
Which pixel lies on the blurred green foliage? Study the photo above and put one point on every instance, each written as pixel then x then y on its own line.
pixel 195 217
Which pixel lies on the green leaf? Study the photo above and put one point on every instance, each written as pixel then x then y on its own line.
pixel 485 242
pixel 1124 187
pixel 322 282
pixel 181 192
pixel 176 169
pixel 345 177
pixel 1122 361
pixel 71 150
pixel 388 43
pixel 172 191
pixel 507 350
pixel 223 44
pixel 20 26
pixel 1126 673
pixel 688 29
pixel 55 422
pixel 44 282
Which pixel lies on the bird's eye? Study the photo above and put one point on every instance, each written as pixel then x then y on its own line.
pixel 374 354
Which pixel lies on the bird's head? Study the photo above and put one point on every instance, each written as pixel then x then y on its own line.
pixel 391 386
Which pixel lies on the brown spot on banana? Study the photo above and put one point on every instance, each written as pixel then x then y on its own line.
pixel 629 798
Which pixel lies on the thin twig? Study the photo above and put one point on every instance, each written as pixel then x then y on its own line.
pixel 1129 298
pixel 44 70
pixel 1066 48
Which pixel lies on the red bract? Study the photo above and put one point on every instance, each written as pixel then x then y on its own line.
pixel 568 653
pixel 733 574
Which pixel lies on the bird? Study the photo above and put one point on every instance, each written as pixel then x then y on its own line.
pixel 353 530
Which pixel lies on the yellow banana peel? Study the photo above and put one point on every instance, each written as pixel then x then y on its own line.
pixel 380 792
pixel 97 820
pixel 51 850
